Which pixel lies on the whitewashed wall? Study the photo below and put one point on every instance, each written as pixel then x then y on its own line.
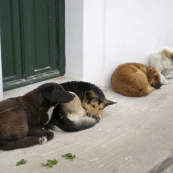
pixel 101 34
pixel 135 28
pixel 74 38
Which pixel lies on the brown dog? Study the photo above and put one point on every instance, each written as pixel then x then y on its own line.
pixel 135 79
pixel 22 118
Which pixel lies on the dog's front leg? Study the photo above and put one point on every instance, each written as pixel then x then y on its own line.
pixel 39 132
pixel 163 80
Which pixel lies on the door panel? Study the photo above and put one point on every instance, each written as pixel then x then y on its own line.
pixel 38 19
pixel 32 41
pixel 11 46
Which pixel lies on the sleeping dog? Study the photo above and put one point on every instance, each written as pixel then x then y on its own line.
pixel 162 61
pixel 71 117
pixel 22 118
pixel 81 113
pixel 135 79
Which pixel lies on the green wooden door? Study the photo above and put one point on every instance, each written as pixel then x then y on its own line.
pixel 32 33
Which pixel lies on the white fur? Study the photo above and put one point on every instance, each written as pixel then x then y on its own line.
pixel 49 112
pixel 76 113
pixel 56 128
pixel 42 140
pixel 162 64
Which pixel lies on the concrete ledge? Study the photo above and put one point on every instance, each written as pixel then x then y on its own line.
pixel 134 136
pixel 163 165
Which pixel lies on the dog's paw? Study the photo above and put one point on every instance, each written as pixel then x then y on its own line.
pixel 169 76
pixel 56 128
pixel 164 81
pixel 96 117
pixel 42 140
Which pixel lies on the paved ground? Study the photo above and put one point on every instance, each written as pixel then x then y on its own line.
pixel 134 136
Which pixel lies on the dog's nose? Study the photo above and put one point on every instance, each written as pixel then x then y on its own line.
pixel 96 117
pixel 158 86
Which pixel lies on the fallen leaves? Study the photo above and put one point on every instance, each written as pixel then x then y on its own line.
pixel 69 156
pixel 50 163
pixel 22 162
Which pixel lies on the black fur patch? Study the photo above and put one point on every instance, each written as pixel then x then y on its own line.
pixel 80 87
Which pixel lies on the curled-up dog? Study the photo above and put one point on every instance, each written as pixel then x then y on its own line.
pixel 81 113
pixel 22 118
pixel 135 79
pixel 71 117
pixel 162 61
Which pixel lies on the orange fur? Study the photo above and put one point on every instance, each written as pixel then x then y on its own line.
pixel 134 79
pixel 94 107
pixel 166 53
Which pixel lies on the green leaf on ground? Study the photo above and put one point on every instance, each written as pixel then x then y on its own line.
pixel 69 156
pixel 22 162
pixel 50 163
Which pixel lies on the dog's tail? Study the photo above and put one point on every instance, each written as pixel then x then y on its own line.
pixel 22 143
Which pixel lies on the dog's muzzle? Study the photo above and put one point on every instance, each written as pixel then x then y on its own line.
pixel 157 86
pixel 97 117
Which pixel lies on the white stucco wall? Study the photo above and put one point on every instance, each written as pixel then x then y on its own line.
pixel 101 34
pixel 135 28
pixel 74 38
pixel 94 41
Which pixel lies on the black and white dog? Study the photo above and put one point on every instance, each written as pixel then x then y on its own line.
pixel 81 113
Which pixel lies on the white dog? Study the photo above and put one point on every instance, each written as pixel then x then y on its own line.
pixel 162 61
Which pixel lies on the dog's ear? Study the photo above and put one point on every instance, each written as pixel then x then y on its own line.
pixel 109 102
pixel 90 94
pixel 149 73
pixel 48 93
pixel 166 53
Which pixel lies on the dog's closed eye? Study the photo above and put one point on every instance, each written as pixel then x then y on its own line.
pixel 156 77
pixel 93 105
